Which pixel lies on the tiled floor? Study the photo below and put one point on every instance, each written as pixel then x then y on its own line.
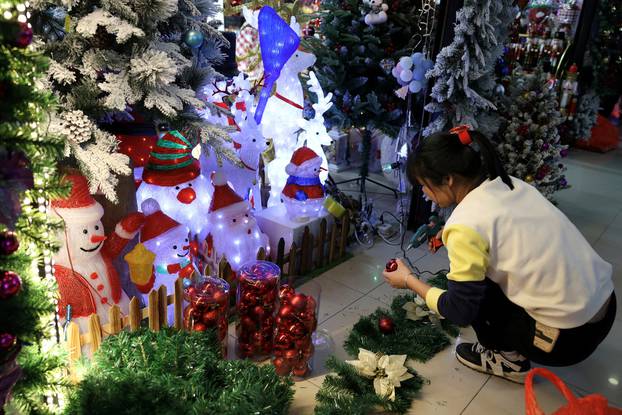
pixel 355 288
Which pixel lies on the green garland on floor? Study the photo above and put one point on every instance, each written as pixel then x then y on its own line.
pixel 346 392
pixel 175 372
pixel 419 340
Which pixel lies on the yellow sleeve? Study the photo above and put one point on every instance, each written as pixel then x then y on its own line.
pixel 468 253
pixel 468 259
pixel 431 298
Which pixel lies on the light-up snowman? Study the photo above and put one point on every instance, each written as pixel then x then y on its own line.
pixel 165 247
pixel 87 280
pixel 233 231
pixel 303 194
pixel 173 178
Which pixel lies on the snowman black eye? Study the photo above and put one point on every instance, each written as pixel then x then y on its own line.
pixel 96 227
pixel 254 140
pixel 174 246
pixel 186 239
pixel 189 184
pixel 246 215
pixel 234 220
pixel 317 133
pixel 84 231
pixel 176 187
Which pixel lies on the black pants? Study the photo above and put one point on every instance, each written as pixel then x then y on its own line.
pixel 504 326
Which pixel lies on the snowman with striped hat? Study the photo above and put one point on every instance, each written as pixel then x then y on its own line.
pixel 303 195
pixel 173 178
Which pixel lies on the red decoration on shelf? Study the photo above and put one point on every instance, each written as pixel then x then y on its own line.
pixel 257 298
pixel 391 266
pixel 209 308
pixel 10 284
pixel 8 243
pixel 386 325
pixel 293 346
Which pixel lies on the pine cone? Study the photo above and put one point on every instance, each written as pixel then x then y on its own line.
pixel 76 126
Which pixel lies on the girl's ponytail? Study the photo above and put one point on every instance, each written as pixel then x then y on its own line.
pixel 490 159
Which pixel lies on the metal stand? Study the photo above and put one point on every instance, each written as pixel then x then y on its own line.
pixel 364 175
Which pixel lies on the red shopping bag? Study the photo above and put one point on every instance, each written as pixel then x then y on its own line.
pixel 588 405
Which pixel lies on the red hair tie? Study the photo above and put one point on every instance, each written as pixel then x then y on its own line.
pixel 462 131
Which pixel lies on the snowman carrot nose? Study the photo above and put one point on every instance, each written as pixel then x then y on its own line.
pixel 97 238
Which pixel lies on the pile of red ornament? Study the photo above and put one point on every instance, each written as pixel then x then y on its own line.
pixel 295 323
pixel 257 303
pixel 209 308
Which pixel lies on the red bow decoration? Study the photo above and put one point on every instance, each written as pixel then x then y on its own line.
pixel 462 131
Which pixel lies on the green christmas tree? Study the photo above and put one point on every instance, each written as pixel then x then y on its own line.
pixel 606 53
pixel 29 359
pixel 118 59
pixel 355 59
pixel 464 85
pixel 528 138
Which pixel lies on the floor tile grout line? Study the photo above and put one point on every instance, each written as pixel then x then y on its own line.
pixel 341 309
pixel 607 227
pixel 476 393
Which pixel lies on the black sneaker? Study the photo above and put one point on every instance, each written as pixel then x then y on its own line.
pixel 477 357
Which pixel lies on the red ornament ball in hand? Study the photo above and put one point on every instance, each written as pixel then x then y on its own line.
pixel 7 341
pixel 10 284
pixel 386 325
pixel 8 243
pixel 391 265
pixel 299 302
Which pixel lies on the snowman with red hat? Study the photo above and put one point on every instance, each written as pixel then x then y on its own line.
pixel 173 178
pixel 87 280
pixel 303 194
pixel 163 255
pixel 233 231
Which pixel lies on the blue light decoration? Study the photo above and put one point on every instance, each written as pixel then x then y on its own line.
pixel 278 42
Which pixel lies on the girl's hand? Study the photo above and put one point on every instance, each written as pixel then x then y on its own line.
pixel 398 278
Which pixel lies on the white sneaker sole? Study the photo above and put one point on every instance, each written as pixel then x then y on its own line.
pixel 516 377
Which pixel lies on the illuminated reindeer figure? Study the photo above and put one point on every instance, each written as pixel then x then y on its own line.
pixel 248 143
pixel 314 132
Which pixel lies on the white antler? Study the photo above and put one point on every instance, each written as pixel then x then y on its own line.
pixel 323 102
pixel 251 16
pixel 295 25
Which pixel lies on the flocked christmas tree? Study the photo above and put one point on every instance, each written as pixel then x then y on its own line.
pixel 580 127
pixel 464 85
pixel 360 47
pixel 120 58
pixel 528 138
pixel 29 367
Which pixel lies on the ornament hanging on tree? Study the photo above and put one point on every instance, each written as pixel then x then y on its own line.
pixel 7 341
pixel 86 277
pixel 233 231
pixel 410 73
pixel 8 243
pixel 165 244
pixel 10 284
pixel 24 35
pixel 378 12
pixel 173 178
pixel 303 194
pixel 193 38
